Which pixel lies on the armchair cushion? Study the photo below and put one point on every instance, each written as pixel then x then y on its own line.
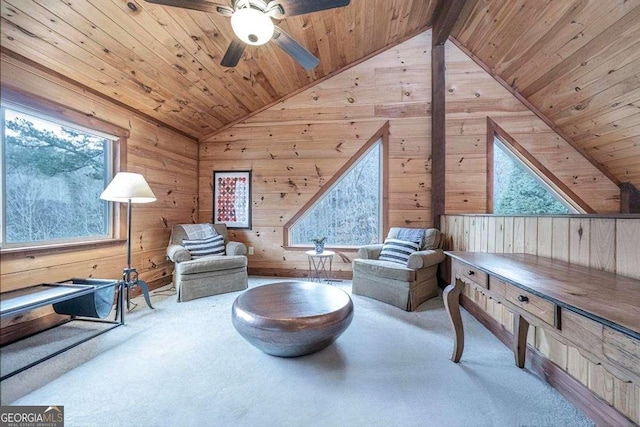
pixel 383 269
pixel 199 248
pixel 179 232
pixel 411 235
pixel 399 251
pixel 212 263
pixel 431 240
pixel 199 231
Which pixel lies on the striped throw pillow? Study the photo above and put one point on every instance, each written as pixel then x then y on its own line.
pixel 398 251
pixel 199 248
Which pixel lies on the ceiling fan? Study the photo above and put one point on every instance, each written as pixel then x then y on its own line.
pixel 252 24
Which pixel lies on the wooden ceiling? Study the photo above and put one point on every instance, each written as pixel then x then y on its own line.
pixel 576 61
pixel 164 61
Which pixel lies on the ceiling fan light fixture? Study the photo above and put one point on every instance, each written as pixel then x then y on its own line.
pixel 252 26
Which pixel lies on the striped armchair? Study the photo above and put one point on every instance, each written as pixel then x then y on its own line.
pixel 394 274
pixel 204 270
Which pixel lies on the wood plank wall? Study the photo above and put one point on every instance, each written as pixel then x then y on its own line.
pixel 166 158
pixel 296 146
pixel 610 244
pixel 472 96
pixel 578 62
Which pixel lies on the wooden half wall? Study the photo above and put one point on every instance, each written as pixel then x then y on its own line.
pixel 296 146
pixel 167 159
pixel 605 243
pixel 472 95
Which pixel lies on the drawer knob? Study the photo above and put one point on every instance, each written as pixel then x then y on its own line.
pixel 471 272
pixel 523 298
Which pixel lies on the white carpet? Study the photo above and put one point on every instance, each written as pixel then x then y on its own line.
pixel 183 364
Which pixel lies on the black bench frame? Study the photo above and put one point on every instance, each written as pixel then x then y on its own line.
pixel 74 290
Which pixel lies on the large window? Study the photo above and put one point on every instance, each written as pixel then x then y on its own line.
pixel 52 175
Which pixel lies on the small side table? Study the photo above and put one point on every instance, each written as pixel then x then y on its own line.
pixel 318 263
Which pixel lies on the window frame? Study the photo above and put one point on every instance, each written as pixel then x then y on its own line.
pixel 382 135
pixel 519 153
pixel 53 111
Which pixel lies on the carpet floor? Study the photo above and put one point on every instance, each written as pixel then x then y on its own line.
pixel 183 364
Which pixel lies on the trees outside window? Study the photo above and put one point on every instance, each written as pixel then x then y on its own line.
pixel 518 190
pixel 350 213
pixel 53 175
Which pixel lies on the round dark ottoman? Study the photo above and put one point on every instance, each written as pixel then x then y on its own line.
pixel 290 319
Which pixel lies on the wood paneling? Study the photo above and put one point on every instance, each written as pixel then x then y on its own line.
pixel 297 146
pixel 167 159
pixel 165 61
pixel 609 244
pixel 472 96
pixel 577 62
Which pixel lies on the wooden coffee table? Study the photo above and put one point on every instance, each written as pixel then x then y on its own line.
pixel 290 319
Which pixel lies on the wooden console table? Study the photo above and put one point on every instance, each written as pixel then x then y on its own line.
pixel 595 311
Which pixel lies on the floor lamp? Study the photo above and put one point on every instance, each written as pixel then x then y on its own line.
pixel 127 187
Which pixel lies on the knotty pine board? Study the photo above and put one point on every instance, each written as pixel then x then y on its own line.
pixel 167 159
pixel 466 128
pixel 577 62
pixel 295 147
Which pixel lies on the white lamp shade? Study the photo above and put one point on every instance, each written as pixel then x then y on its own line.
pixel 127 186
pixel 252 26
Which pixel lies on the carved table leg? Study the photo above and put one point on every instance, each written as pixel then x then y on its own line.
pixel 520 328
pixel 451 298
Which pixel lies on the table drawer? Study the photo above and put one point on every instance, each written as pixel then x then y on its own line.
pixel 497 286
pixel 622 349
pixel 473 274
pixel 539 307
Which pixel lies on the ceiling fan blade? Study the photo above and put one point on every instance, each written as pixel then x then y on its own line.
pixel 201 5
pixel 294 49
pixel 233 54
pixel 300 7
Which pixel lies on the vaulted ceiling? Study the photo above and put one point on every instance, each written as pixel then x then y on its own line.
pixel 165 61
pixel 576 61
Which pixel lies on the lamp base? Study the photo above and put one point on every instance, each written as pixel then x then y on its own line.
pixel 129 280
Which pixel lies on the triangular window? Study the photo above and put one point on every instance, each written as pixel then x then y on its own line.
pixel 517 189
pixel 349 211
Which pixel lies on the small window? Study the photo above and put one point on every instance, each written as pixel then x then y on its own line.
pixel 518 183
pixel 518 190
pixel 52 175
pixel 350 213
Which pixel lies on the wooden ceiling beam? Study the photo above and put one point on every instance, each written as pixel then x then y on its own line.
pixel 629 198
pixel 444 18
